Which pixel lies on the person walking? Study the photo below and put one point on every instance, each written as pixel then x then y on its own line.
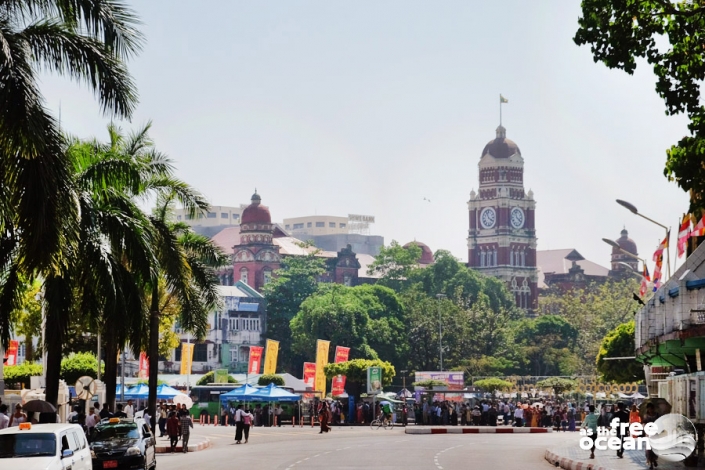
pixel 247 419
pixel 172 429
pixel 129 409
pixel 650 417
pixel 590 423
pixel 634 417
pixel 4 419
pixel 18 417
pixel 623 416
pixel 163 416
pixel 240 415
pixel 323 417
pixel 186 425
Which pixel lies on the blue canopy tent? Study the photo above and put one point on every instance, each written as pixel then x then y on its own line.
pixel 275 394
pixel 165 392
pixel 136 392
pixel 244 393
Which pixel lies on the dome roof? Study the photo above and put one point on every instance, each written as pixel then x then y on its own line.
pixel 426 253
pixel 501 147
pixel 256 213
pixel 625 243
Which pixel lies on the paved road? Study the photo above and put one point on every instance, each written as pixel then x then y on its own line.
pixel 345 448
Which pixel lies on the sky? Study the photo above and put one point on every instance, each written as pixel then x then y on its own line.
pixel 335 108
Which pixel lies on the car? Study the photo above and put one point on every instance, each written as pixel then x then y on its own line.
pixel 56 446
pixel 123 443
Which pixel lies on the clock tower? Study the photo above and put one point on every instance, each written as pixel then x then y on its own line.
pixel 502 234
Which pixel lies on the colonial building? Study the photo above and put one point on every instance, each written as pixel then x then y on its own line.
pixel 502 234
pixel 624 265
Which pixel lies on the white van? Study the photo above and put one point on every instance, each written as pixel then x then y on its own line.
pixel 45 446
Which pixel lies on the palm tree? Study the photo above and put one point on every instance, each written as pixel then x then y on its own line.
pixel 86 40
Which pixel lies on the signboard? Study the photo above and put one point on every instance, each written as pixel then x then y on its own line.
pixel 361 218
pixel 144 366
pixel 255 359
pixel 338 384
pixel 310 377
pixel 322 348
pixel 11 353
pixel 270 358
pixel 186 358
pixel 374 380
pixel 453 380
pixel 220 376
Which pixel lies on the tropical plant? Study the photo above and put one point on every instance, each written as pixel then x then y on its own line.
pixel 267 379
pixel 78 365
pixel 209 377
pixel 355 372
pixel 557 384
pixel 619 343
pixel 493 384
pixel 430 384
pixel 19 375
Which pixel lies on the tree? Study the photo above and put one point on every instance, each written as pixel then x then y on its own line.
pixel 78 365
pixel 619 343
pixel 355 372
pixel 267 379
pixel 19 375
pixel 395 263
pixel 293 283
pixel 548 344
pixel 209 377
pixel 27 319
pixel 493 385
pixel 669 36
pixel 557 384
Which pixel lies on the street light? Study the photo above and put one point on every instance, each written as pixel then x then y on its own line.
pixel 632 208
pixel 440 329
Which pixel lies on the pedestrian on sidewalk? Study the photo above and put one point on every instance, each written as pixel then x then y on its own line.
pixel 590 424
pixel 240 423
pixel 323 416
pixel 623 417
pixel 651 416
pixel 172 429
pixel 163 416
pixel 186 425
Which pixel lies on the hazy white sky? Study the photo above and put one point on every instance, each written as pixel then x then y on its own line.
pixel 370 107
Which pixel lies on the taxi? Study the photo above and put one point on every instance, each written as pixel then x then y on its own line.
pixel 45 446
pixel 123 443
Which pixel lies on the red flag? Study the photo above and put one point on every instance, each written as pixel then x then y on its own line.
pixel 658 258
pixel 341 355
pixel 255 359
pixel 11 353
pixel 699 229
pixel 144 366
pixel 683 234
pixel 644 281
pixel 309 377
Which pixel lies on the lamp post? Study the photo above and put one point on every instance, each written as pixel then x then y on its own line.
pixel 440 330
pixel 632 208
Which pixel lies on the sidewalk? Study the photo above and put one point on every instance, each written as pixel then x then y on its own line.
pixel 575 458
pixel 473 430
pixel 195 444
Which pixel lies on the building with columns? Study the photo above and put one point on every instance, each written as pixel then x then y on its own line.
pixel 502 234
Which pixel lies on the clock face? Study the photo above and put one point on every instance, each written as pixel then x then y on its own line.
pixel 517 218
pixel 488 217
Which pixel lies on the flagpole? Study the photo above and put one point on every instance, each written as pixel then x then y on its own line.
pixel 500 109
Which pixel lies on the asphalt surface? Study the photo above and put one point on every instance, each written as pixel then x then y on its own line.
pixel 288 448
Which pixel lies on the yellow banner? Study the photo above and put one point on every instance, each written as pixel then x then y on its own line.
pixel 322 348
pixel 270 358
pixel 186 358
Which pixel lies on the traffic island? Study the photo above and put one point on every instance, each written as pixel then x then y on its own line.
pixel 474 430
pixel 193 446
pixel 575 458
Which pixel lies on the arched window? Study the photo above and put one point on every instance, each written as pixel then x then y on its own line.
pixel 267 276
pixel 483 259
pixel 244 275
pixel 523 258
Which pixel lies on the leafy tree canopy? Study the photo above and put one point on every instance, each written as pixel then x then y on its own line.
pixel 619 343
pixel 548 343
pixel 356 370
pixel 19 375
pixel 558 384
pixel 209 377
pixel 77 365
pixel 395 263
pixel 267 379
pixel 430 383
pixel 493 385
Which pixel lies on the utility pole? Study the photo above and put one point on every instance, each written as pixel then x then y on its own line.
pixel 440 329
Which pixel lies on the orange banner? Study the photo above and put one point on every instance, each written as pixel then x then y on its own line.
pixel 11 353
pixel 309 377
pixel 144 366
pixel 255 359
pixel 341 355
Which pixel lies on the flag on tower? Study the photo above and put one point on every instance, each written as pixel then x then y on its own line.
pixel 502 99
pixel 683 234
pixel 644 281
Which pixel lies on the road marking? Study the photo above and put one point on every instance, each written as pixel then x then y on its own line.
pixel 435 457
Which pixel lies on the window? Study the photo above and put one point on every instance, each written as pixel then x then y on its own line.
pixel 331 224
pixel 178 217
pixel 233 355
pixel 320 224
pixel 200 352
pixel 188 217
pixel 224 215
pixel 286 227
pixel 267 276
pixel 211 215
pixel 308 224
pixel 298 226
pixel 342 225
pixel 243 275
pixel 347 280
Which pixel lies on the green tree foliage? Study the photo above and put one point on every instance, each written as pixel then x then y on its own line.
pixel 19 375
pixel 488 365
pixel 77 365
pixel 619 343
pixel 430 384
pixel 670 37
pixel 593 312
pixel 210 376
pixel 355 372
pixel 493 385
pixel 293 283
pixel 395 264
pixel 548 345
pixel 27 318
pixel 557 384
pixel 267 379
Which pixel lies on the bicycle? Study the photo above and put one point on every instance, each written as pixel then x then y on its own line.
pixel 380 421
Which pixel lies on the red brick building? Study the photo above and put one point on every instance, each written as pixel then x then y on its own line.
pixel 502 234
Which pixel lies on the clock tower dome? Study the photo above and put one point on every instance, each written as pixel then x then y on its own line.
pixel 502 234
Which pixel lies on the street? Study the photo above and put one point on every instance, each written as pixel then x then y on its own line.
pixel 289 448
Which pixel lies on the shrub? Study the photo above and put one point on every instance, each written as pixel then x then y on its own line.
pixel 267 379
pixel 208 379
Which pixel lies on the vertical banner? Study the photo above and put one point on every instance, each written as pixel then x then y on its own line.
pixel 322 348
pixel 255 359
pixel 11 353
pixel 186 358
pixel 338 385
pixel 374 380
pixel 270 358
pixel 309 377
pixel 144 366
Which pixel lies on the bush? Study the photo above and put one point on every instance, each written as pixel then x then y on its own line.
pixel 429 384
pixel 267 379
pixel 77 365
pixel 492 385
pixel 208 379
pixel 19 375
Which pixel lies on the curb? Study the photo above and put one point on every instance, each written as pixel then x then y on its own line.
pixel 570 464
pixel 477 430
pixel 195 447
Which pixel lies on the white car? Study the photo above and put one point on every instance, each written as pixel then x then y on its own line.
pixel 45 446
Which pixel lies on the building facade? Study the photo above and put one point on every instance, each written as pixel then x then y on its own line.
pixel 623 265
pixel 502 235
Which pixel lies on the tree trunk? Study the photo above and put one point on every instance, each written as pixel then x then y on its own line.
pixel 28 349
pixel 53 365
pixel 153 354
pixel 110 376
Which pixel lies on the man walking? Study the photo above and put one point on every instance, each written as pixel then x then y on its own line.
pixel 4 419
pixel 186 425
pixel 129 409
pixel 623 417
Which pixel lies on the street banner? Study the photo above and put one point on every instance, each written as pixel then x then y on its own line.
pixel 220 376
pixel 338 384
pixel 322 348
pixel 186 358
pixel 374 380
pixel 270 359
pixel 255 359
pixel 11 353
pixel 144 366
pixel 309 377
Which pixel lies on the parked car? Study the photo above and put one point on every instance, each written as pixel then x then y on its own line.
pixel 122 443
pixel 45 446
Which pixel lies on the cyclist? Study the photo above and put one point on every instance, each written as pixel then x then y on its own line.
pixel 387 411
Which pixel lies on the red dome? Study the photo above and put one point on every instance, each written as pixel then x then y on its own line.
pixel 501 147
pixel 426 253
pixel 625 243
pixel 256 213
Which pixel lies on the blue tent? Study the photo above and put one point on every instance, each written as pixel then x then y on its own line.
pixel 137 392
pixel 273 393
pixel 165 392
pixel 243 393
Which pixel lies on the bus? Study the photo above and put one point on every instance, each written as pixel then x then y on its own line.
pixel 206 400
